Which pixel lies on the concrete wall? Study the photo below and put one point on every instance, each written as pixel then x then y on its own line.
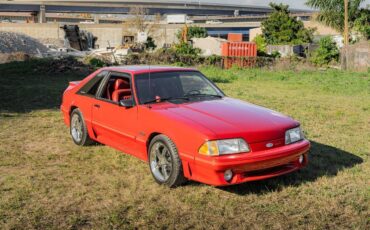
pixel 34 30
pixel 358 56
pixel 109 34
pixel 321 30
pixel 105 32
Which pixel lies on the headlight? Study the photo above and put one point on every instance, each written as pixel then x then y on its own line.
pixel 293 135
pixel 223 147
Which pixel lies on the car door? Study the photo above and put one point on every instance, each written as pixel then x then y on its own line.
pixel 113 124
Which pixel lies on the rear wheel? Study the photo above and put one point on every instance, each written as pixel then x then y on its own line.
pixel 78 129
pixel 164 162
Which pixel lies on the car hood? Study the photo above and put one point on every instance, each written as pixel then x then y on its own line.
pixel 230 118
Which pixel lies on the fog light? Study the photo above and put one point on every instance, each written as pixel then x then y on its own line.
pixel 228 175
pixel 301 159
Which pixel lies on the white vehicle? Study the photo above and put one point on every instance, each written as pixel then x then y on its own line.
pixel 178 19
pixel 6 21
pixel 214 22
pixel 87 22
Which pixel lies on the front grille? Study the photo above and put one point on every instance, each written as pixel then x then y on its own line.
pixel 268 171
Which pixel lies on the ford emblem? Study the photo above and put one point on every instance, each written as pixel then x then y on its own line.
pixel 269 145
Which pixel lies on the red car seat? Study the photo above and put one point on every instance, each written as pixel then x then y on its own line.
pixel 121 90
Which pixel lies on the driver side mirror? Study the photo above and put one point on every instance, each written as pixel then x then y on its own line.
pixel 127 103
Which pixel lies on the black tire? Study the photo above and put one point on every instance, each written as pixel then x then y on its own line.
pixel 176 176
pixel 84 139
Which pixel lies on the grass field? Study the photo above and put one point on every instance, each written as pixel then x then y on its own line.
pixel 48 182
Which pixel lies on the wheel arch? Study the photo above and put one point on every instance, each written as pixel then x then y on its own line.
pixel 149 139
pixel 71 108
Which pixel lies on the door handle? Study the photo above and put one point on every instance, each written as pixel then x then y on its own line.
pixel 97 106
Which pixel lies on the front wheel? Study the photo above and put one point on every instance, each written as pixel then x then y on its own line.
pixel 164 162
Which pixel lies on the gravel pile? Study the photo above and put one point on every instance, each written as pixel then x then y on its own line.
pixel 52 41
pixel 11 42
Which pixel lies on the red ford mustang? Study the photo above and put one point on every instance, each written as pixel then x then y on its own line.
pixel 182 125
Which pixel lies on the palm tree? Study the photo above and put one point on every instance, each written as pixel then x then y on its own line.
pixel 332 12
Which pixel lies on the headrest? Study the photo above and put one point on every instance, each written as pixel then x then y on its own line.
pixel 121 84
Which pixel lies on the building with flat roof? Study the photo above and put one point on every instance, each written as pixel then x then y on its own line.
pixel 123 6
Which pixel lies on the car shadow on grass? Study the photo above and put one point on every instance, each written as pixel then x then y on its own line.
pixel 324 160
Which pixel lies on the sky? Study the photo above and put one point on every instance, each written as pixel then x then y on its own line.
pixel 297 4
pixel 294 4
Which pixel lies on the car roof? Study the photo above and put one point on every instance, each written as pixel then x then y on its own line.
pixel 138 69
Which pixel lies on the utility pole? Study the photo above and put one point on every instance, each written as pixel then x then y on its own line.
pixel 346 30
pixel 346 36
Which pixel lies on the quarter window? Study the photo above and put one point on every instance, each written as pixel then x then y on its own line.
pixel 91 87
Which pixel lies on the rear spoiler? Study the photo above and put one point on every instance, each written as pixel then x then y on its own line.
pixel 73 83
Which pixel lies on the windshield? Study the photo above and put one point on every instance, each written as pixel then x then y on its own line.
pixel 177 87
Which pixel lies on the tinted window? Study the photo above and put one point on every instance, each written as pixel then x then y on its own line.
pixel 91 87
pixel 173 85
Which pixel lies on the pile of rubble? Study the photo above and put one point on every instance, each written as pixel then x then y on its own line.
pixel 11 42
pixel 63 65
pixel 20 47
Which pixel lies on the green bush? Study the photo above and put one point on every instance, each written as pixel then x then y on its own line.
pixel 193 32
pixel 187 49
pixel 275 54
pixel 95 62
pixel 326 53
pixel 280 28
pixel 150 44
pixel 362 23
pixel 261 45
pixel 213 60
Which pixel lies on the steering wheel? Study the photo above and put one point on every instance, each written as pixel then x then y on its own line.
pixel 194 91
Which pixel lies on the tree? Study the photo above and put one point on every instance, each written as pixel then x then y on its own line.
pixel 197 32
pixel 261 45
pixel 280 28
pixel 332 12
pixel 140 20
pixel 362 23
pixel 326 52
pixel 193 32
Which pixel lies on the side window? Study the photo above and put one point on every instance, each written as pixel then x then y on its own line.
pixel 91 87
pixel 117 88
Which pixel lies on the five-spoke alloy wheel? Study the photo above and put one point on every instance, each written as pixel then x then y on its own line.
pixel 164 162
pixel 160 161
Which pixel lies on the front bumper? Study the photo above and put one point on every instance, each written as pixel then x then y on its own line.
pixel 251 166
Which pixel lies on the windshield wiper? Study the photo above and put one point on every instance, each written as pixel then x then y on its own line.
pixel 204 95
pixel 166 99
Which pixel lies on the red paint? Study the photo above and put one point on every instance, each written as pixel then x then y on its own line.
pixel 241 54
pixel 189 125
pixel 232 37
